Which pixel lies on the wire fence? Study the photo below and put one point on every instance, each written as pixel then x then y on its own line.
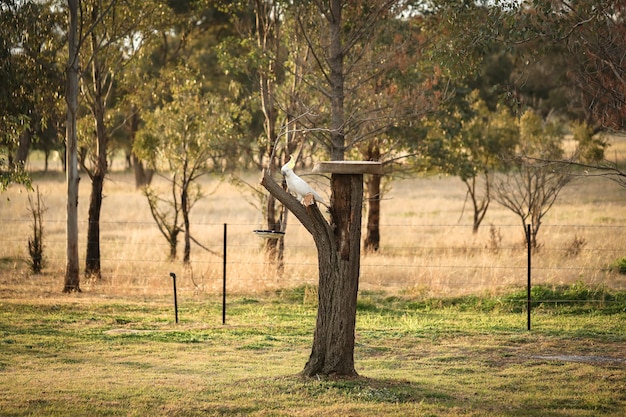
pixel 425 260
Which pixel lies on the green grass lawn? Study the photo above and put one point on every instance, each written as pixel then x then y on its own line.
pixel 85 355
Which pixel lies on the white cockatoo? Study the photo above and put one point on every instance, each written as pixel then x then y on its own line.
pixel 296 184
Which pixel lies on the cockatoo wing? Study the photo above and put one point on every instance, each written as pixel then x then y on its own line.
pixel 300 187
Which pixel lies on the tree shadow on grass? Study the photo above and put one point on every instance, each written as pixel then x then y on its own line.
pixel 382 390
pixel 363 389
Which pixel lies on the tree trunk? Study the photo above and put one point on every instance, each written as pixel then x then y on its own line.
pixel 92 261
pixel 173 242
pixel 72 280
pixel 143 176
pixel 338 250
pixel 336 80
pixel 184 205
pixel 23 147
pixel 92 257
pixel 46 160
pixel 274 248
pixel 479 204
pixel 372 237
pixel 339 266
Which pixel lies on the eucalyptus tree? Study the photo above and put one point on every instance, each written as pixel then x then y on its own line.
pixel 394 87
pixel 269 41
pixel 590 35
pixel 114 32
pixel 30 80
pixel 468 141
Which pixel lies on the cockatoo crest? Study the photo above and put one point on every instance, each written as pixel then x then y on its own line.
pixel 296 184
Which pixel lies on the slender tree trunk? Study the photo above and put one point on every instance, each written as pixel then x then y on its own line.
pixel 46 160
pixel 372 237
pixel 173 242
pixel 72 280
pixel 184 203
pixel 336 79
pixel 372 184
pixel 143 175
pixel 92 259
pixel 479 204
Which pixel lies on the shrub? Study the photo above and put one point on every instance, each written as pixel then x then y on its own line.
pixel 575 298
pixel 575 246
pixel 35 242
pixel 619 265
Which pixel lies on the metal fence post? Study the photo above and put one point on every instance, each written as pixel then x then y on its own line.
pixel 224 278
pixel 529 296
pixel 173 275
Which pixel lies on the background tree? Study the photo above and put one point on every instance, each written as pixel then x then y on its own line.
pixel 590 33
pixel 469 142
pixel 32 78
pixel 109 45
pixel 181 137
pixel 396 85
pixel 31 81
pixel 188 33
pixel 270 55
pixel 272 44
pixel 530 185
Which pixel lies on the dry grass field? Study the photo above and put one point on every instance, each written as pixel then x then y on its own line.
pixel 427 246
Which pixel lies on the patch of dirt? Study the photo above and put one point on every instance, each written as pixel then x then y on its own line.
pixel 116 332
pixel 579 358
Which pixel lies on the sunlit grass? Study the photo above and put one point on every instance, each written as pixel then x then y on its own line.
pixel 88 355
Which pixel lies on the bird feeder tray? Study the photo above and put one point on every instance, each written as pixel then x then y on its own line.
pixel 349 167
pixel 269 234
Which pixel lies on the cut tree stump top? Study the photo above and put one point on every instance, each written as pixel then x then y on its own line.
pixel 349 167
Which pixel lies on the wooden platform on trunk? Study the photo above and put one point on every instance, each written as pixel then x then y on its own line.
pixel 349 167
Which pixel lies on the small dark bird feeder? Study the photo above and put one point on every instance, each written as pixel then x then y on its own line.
pixel 269 234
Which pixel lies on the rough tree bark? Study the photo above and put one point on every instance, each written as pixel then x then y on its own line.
pixel 338 250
